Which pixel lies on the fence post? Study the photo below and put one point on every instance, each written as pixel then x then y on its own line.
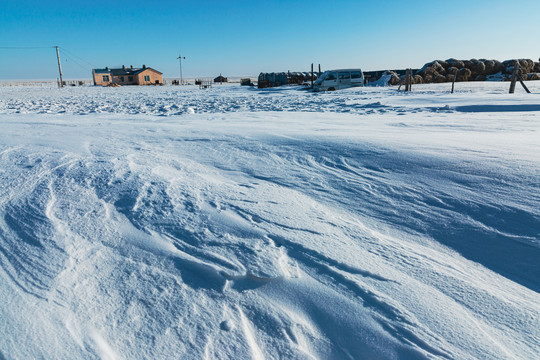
pixel 408 80
pixel 454 80
pixel 312 75
pixel 513 80
pixel 523 84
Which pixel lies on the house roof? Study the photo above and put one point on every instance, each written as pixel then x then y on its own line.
pixel 124 71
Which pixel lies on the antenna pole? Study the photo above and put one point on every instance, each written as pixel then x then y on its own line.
pixel 59 66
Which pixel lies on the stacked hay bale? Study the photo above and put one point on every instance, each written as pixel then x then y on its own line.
pixel 394 78
pixel 439 71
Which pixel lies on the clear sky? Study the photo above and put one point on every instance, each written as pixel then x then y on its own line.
pixel 246 37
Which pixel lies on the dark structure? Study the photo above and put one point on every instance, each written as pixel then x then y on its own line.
pixel 246 82
pixel 220 79
pixel 267 80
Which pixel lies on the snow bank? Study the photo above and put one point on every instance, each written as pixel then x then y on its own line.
pixel 366 223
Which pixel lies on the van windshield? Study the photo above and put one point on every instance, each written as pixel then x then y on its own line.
pixel 330 76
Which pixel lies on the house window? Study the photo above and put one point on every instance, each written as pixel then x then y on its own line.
pixel 105 77
pixel 130 78
pixel 121 78
pixel 146 77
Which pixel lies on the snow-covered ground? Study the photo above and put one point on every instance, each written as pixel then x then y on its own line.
pixel 173 222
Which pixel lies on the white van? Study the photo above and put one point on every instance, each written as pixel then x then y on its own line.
pixel 339 79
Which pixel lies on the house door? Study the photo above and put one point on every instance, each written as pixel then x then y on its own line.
pixel 344 79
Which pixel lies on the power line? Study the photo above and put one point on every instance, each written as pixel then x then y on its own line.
pixel 25 47
pixel 73 55
pixel 76 62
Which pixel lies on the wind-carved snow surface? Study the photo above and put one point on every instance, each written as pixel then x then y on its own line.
pixel 362 224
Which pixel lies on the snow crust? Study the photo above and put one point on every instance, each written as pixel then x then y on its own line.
pixel 173 222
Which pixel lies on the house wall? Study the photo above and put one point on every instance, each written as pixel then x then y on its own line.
pixel 98 79
pixel 118 80
pixel 153 74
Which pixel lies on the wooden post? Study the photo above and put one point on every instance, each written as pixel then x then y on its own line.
pixel 59 67
pixel 523 84
pixel 319 70
pixel 454 80
pixel 515 74
pixel 312 75
pixel 408 79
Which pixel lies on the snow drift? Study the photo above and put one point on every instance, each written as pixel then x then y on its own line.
pixel 279 224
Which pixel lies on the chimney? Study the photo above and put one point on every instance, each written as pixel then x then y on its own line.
pixel 123 67
pixel 144 66
pixel 106 68
pixel 131 66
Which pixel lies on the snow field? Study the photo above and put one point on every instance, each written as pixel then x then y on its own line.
pixel 276 224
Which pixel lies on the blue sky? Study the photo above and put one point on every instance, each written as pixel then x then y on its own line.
pixel 246 37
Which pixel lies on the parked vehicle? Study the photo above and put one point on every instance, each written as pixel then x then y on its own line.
pixel 339 79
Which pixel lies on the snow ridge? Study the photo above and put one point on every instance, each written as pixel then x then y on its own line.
pixel 318 234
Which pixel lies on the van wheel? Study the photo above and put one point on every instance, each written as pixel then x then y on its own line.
pixel 331 89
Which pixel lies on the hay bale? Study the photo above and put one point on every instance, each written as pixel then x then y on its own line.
pixel 439 78
pixel 498 66
pixel 455 63
pixel 533 76
pixel 449 77
pixel 438 67
pixel 417 79
pixel 508 66
pixel 394 79
pixel 478 67
pixel 526 65
pixel 432 68
pixel 480 77
pixel 427 79
pixel 536 67
pixel 467 64
pixel 489 66
pixel 464 74
pixel 431 71
pixel 444 64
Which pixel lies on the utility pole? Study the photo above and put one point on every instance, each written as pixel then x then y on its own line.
pixel 59 67
pixel 180 60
